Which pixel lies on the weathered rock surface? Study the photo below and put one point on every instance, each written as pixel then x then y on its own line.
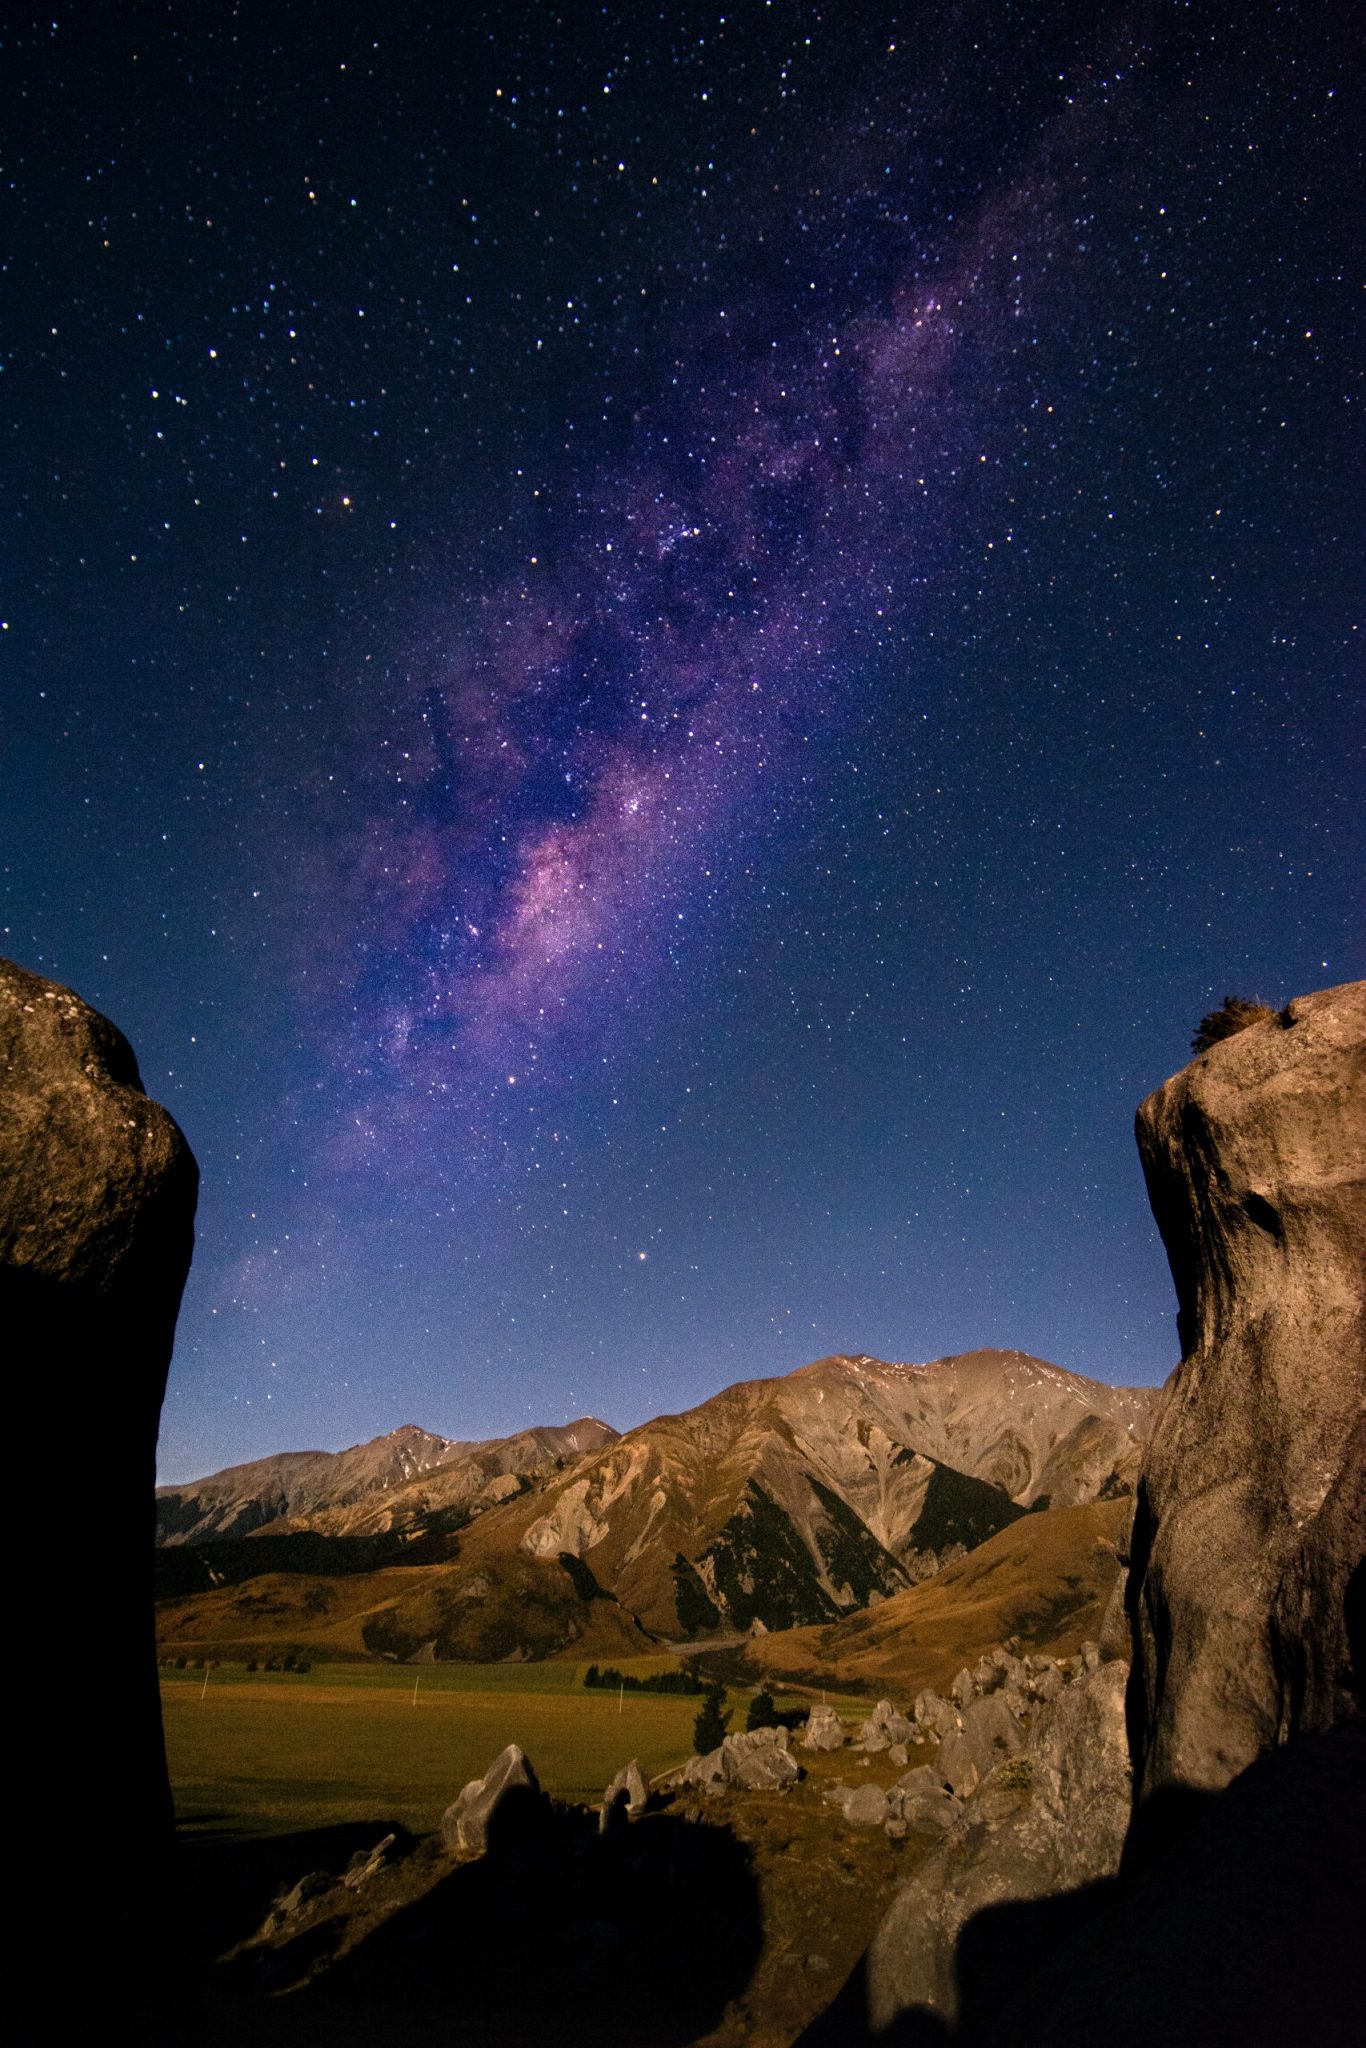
pixel 466 1821
pixel 1052 1817
pixel 631 1781
pixel 97 1200
pixel 991 1732
pixel 1251 1516
pixel 824 1729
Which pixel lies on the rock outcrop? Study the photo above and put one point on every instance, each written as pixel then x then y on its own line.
pixel 759 1760
pixel 97 1200
pixel 1047 1811
pixel 1251 1513
pixel 508 1782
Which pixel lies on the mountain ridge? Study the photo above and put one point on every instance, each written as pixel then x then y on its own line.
pixel 777 1503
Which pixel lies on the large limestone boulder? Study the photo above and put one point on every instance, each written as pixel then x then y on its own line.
pixel 465 1823
pixel 97 1201
pixel 1251 1512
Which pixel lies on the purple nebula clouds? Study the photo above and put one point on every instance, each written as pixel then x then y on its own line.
pixel 641 687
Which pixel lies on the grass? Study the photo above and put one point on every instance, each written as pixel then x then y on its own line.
pixel 258 1753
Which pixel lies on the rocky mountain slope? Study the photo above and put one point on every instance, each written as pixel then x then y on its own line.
pixel 395 1483
pixel 776 1504
pixel 796 1500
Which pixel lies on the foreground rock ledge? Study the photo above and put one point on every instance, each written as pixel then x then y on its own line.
pixel 1251 1512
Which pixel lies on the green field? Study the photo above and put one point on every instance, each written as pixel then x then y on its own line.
pixel 269 1752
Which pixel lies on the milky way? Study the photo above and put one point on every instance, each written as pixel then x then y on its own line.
pixel 658 663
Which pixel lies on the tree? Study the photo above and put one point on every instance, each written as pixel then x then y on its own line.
pixel 1234 1014
pixel 762 1711
pixel 709 1729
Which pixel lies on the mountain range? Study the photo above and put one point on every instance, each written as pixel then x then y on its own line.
pixel 778 1503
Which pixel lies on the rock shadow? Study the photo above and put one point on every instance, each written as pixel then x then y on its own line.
pixel 560 1933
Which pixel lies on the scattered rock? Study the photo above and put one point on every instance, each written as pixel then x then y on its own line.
pixel 465 1823
pixel 1251 1513
pixel 963 1690
pixel 1042 1820
pixel 292 1903
pixel 925 1802
pixel 366 1863
pixel 630 1789
pixel 824 1730
pixel 866 1807
pixel 934 1715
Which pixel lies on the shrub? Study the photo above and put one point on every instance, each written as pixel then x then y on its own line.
pixel 1234 1014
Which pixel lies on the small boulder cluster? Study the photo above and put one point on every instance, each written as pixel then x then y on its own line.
pixel 984 1722
pixel 760 1760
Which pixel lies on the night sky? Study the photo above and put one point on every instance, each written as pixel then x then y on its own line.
pixel 658 658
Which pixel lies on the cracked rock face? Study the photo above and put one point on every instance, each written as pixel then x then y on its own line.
pixel 1251 1514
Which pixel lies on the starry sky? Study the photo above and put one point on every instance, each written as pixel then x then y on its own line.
pixel 658 657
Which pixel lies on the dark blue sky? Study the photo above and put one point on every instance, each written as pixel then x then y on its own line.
pixel 658 661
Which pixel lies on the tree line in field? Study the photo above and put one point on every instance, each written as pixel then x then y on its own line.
pixel 609 1679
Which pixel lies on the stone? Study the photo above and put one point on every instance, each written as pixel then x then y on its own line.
pixel 465 1823
pixel 824 1730
pixel 955 1764
pixel 97 1202
pixel 934 1715
pixel 292 1903
pixel 872 1736
pixel 769 1769
pixel 896 1830
pixel 1045 1684
pixel 630 1789
pixel 963 1690
pixel 925 1802
pixel 866 1807
pixel 991 1732
pixel 1251 1512
pixel 366 1863
pixel 899 1755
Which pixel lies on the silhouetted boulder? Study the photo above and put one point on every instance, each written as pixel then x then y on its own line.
pixel 97 1200
pixel 1251 1511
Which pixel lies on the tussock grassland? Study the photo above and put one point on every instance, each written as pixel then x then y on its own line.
pixel 268 1752
pixel 1045 1579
